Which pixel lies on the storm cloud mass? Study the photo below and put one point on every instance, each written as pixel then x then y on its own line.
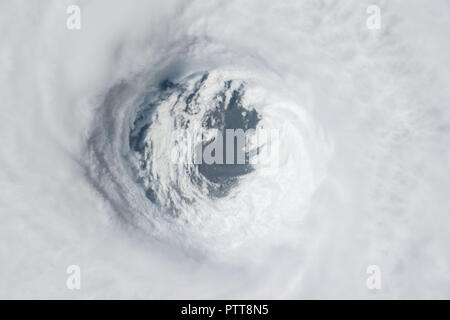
pixel 362 172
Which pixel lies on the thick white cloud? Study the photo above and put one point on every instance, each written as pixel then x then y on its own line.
pixel 379 98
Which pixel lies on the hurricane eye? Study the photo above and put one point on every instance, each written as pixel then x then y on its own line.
pixel 205 113
pixel 199 157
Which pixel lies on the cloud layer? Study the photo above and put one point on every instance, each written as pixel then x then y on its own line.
pixel 370 104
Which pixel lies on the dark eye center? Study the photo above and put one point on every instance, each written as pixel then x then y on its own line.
pixel 220 109
pixel 229 116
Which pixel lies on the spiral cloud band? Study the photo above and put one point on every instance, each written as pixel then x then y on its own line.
pixel 225 149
